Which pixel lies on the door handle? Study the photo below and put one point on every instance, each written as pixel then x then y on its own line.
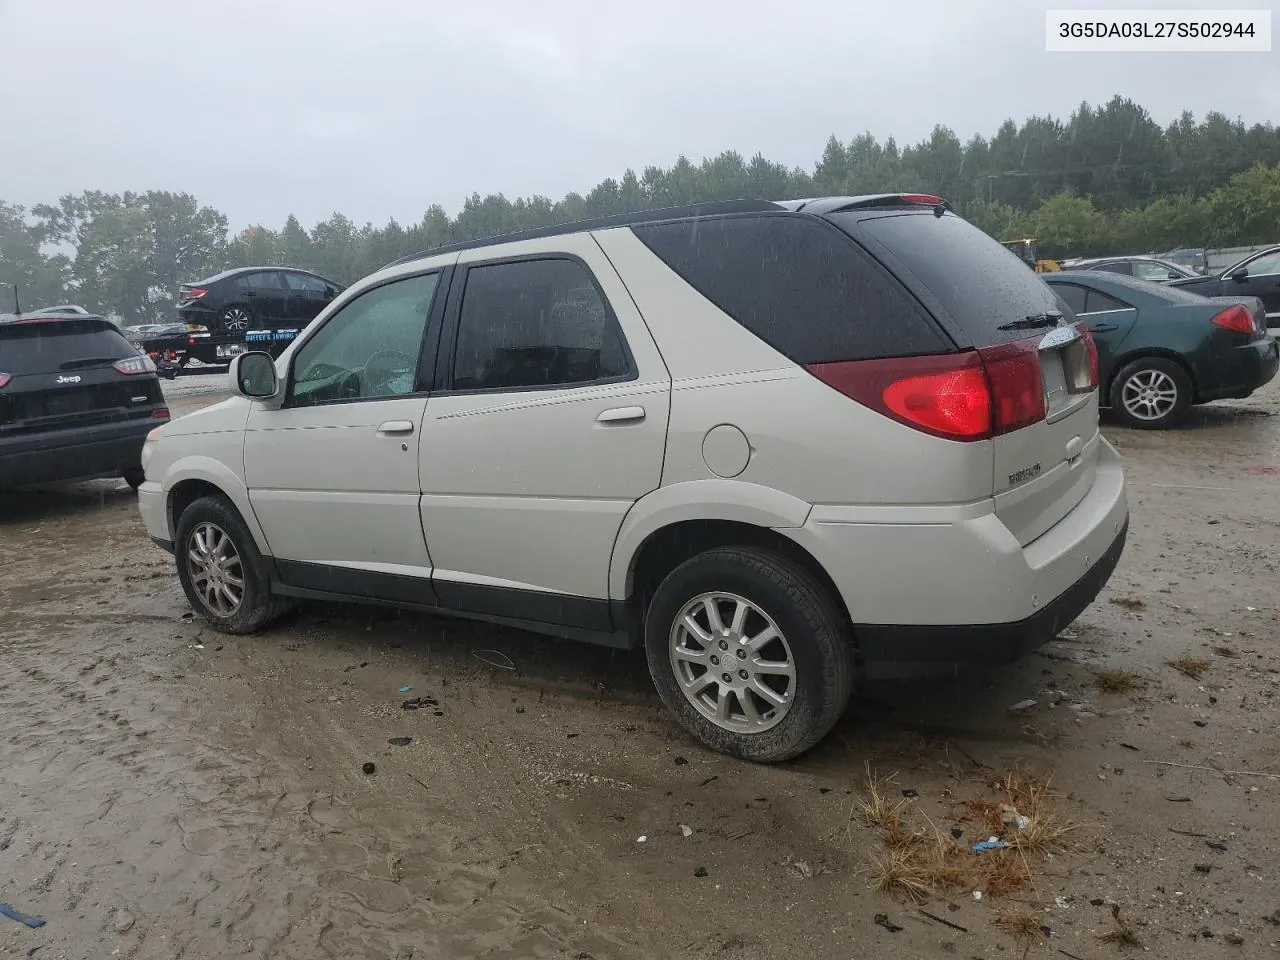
pixel 621 415
pixel 395 427
pixel 1103 327
pixel 250 293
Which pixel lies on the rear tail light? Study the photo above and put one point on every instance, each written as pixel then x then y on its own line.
pixel 1086 337
pixel 4 379
pixel 926 198
pixel 1237 318
pixel 972 395
pixel 133 366
pixel 191 293
pixel 160 413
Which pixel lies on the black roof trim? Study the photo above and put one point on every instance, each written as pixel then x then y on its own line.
pixel 712 209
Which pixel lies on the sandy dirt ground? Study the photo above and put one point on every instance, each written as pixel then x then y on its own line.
pixel 169 792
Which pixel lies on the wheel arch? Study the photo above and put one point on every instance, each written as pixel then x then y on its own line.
pixel 191 479
pixel 1140 353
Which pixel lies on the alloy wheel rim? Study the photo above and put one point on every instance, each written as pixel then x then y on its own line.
pixel 215 568
pixel 236 319
pixel 1149 394
pixel 732 663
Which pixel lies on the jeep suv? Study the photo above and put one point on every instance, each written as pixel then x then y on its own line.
pixel 783 447
pixel 76 400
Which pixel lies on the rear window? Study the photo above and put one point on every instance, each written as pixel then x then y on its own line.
pixel 979 283
pixel 1155 291
pixel 49 346
pixel 798 285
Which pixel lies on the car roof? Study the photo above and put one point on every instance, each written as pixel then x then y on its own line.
pixel 817 206
pixel 236 271
pixel 1118 283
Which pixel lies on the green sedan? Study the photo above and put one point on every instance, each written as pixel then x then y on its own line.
pixel 1160 349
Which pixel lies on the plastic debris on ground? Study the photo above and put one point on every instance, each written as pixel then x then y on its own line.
pixel 14 914
pixel 1022 705
pixel 882 920
pixel 995 843
pixel 406 688
pixel 686 830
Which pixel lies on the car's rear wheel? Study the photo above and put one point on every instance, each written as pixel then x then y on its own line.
pixel 236 318
pixel 1151 393
pixel 221 569
pixel 750 652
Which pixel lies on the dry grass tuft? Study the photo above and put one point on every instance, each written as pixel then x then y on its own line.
pixel 1002 872
pixel 901 873
pixel 1118 681
pixel 1044 832
pixel 1122 935
pixel 1129 603
pixel 1190 667
pixel 1024 925
pixel 875 806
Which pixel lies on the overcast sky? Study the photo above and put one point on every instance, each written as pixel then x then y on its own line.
pixel 378 108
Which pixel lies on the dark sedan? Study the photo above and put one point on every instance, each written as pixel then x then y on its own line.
pixel 1257 275
pixel 1161 349
pixel 255 298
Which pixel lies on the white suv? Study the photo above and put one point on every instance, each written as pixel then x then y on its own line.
pixel 783 446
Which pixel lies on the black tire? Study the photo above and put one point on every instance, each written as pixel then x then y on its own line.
pixel 232 313
pixel 257 608
pixel 1165 371
pixel 134 477
pixel 815 628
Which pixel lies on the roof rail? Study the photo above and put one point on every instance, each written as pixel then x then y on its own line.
pixel 709 209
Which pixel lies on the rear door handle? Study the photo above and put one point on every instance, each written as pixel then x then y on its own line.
pixel 621 415
pixel 395 427
pixel 1103 327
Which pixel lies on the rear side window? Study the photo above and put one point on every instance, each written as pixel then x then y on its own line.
pixel 1116 266
pixel 1098 302
pixel 980 284
pixel 1072 295
pixel 47 347
pixel 533 324
pixel 798 285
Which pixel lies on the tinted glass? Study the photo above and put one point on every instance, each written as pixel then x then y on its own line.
pixel 977 281
pixel 798 285
pixel 304 283
pixel 1116 266
pixel 536 323
pixel 27 348
pixel 1097 302
pixel 369 348
pixel 1137 291
pixel 1071 294
pixel 267 280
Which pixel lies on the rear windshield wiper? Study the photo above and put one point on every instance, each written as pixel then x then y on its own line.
pixel 86 362
pixel 1036 321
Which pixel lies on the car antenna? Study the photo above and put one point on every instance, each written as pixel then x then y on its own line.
pixel 17 307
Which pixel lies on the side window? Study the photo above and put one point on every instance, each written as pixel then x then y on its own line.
pixel 368 349
pixel 305 283
pixel 798 284
pixel 1150 270
pixel 263 280
pixel 1117 266
pixel 535 323
pixel 1265 266
pixel 1071 294
pixel 1098 302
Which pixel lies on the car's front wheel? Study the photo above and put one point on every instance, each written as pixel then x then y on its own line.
pixel 750 652
pixel 1151 393
pixel 221 569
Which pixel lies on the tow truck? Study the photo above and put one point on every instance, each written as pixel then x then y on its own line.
pixel 173 351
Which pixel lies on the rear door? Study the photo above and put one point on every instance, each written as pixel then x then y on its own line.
pixel 268 297
pixel 986 298
pixel 1262 282
pixel 1109 319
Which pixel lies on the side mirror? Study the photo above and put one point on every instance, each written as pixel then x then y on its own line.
pixel 1174 275
pixel 1240 274
pixel 253 375
pixel 330 293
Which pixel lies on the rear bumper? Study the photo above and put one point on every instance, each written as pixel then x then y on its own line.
pixel 82 453
pixel 898 652
pixel 930 588
pixel 1241 371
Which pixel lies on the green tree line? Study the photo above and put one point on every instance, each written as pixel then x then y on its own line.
pixel 1108 179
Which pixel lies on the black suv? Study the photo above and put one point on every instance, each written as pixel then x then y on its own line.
pixel 76 401
pixel 252 298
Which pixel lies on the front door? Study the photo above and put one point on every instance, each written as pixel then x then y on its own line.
pixel 267 296
pixel 547 423
pixel 308 295
pixel 1263 282
pixel 333 473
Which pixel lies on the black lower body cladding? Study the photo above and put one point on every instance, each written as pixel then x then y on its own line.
pixel 81 453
